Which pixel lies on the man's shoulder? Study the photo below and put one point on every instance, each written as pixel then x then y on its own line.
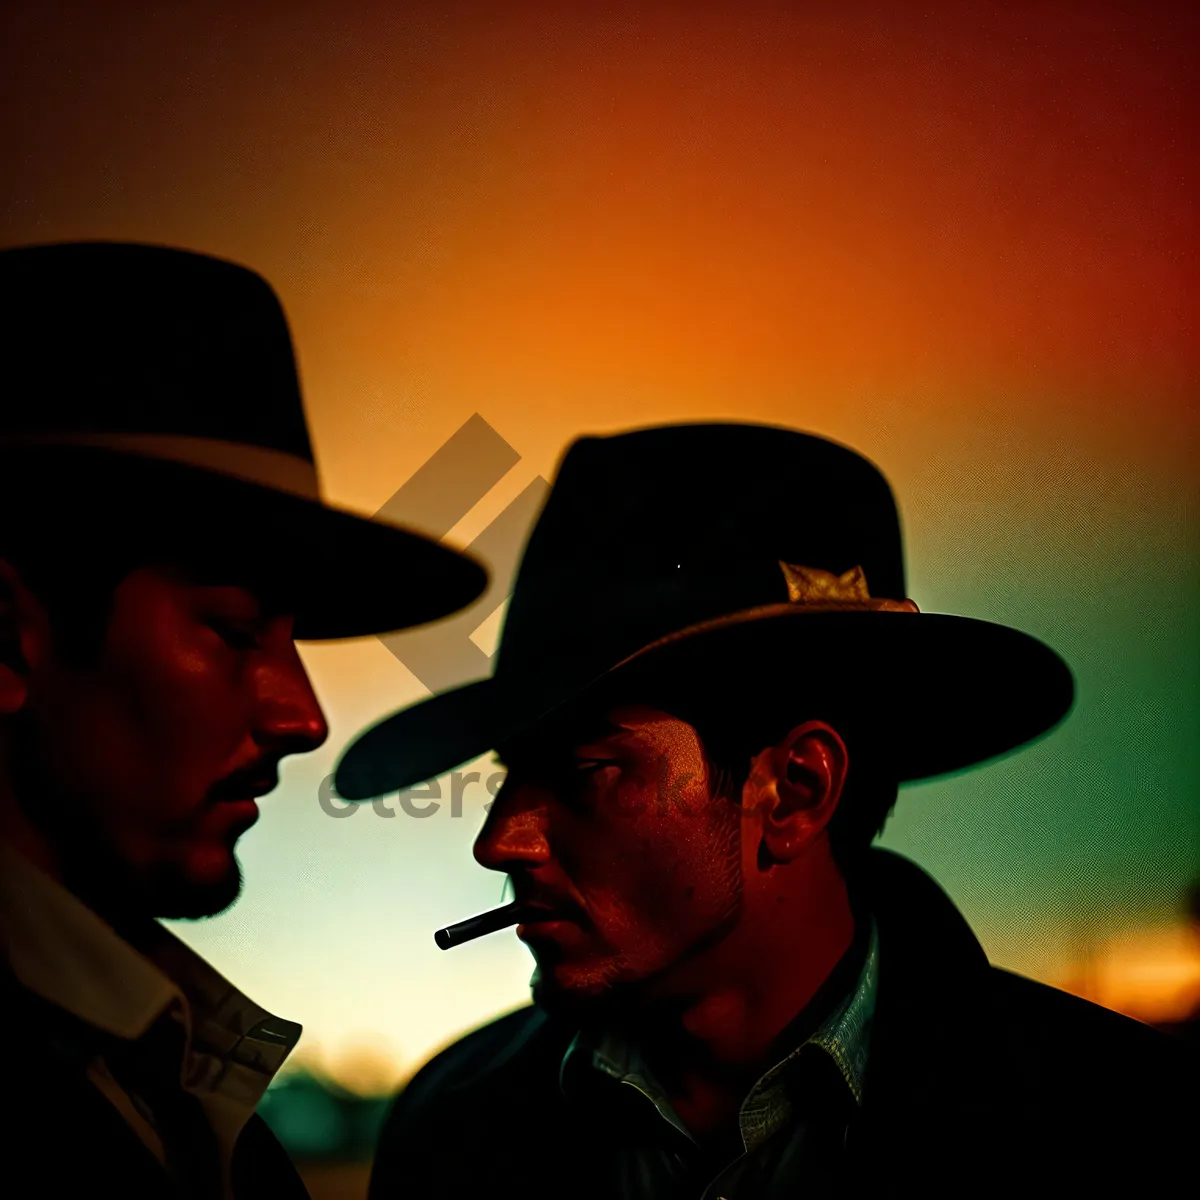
pixel 490 1057
pixel 1058 1042
pixel 1099 1055
pixel 1072 1020
pixel 469 1104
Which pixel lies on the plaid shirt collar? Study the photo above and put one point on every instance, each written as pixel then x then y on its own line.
pixel 844 1036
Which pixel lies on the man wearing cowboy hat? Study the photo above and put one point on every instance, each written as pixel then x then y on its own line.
pixel 162 544
pixel 709 685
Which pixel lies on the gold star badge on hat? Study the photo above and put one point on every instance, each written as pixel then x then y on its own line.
pixel 817 589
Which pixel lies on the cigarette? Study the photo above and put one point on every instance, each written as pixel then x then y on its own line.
pixel 473 927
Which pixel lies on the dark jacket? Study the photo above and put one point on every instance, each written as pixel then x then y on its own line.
pixel 979 1082
pixel 62 1138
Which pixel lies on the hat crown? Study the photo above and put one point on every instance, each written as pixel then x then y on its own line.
pixel 152 410
pixel 128 338
pixel 648 532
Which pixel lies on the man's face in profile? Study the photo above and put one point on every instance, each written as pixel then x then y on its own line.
pixel 143 763
pixel 610 826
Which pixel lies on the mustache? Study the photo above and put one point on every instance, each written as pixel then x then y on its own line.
pixel 257 779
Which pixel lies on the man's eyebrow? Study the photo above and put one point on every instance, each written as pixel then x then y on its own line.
pixel 597 730
pixel 268 600
pixel 259 606
pixel 558 741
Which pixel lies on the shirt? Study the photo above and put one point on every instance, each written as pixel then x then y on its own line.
pixel 841 1042
pixel 64 953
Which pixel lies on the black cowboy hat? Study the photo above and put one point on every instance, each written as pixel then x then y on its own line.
pixel 155 388
pixel 738 562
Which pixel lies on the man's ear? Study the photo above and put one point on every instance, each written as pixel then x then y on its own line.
pixel 24 630
pixel 797 784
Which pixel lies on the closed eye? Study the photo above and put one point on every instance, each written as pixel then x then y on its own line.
pixel 235 636
pixel 574 785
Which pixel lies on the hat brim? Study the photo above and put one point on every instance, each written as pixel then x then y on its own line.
pixel 939 692
pixel 342 575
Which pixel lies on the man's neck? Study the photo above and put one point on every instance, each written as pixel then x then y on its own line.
pixel 771 982
pixel 21 836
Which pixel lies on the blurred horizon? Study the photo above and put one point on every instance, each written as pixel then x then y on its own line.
pixel 1150 974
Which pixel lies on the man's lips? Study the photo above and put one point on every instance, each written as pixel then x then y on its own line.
pixel 242 788
pixel 232 802
pixel 553 930
pixel 224 821
pixel 545 911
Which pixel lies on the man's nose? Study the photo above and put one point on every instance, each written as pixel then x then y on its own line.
pixel 514 837
pixel 290 718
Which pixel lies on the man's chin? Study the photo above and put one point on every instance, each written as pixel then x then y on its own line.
pixel 193 902
pixel 173 886
pixel 201 883
pixel 579 994
pixel 199 890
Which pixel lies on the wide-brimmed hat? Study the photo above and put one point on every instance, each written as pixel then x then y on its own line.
pixel 752 566
pixel 152 388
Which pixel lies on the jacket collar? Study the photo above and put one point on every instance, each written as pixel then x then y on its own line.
pixel 937 1060
pixel 65 955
